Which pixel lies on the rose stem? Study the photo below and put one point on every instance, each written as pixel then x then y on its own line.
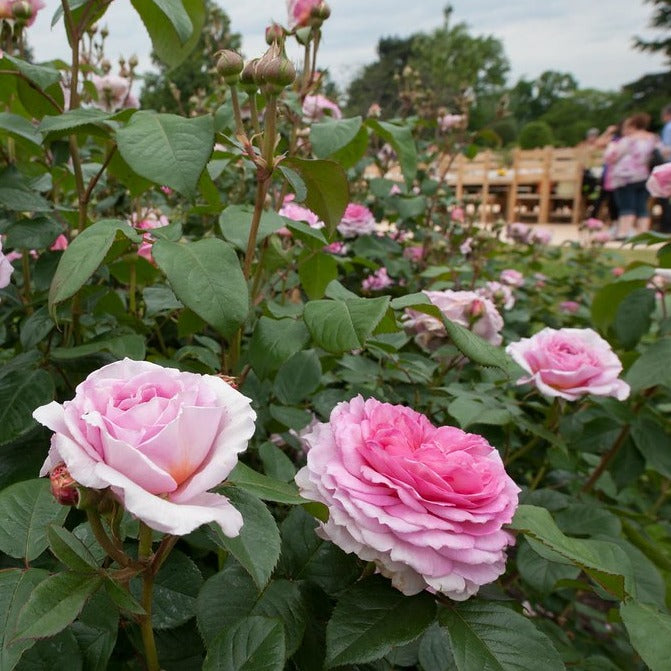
pixel 104 540
pixel 606 459
pixel 148 641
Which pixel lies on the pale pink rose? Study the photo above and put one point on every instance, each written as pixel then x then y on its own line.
pixel 395 190
pixel 357 220
pixel 59 244
pixel 316 107
pixel 570 363
pixel 448 121
pixel 512 277
pixel 500 294
pixel 7 11
pixel 374 111
pixel 519 232
pixel 159 438
pixel 299 12
pixel 167 190
pixel 569 307
pixel 659 182
pixel 618 271
pixel 414 253
pixel 377 281
pixel 296 212
pixel 6 268
pixel 463 307
pixel 541 236
pixel 338 247
pixel 457 214
pixel 594 224
pixel 661 280
pixel 113 92
pixel 146 220
pixel 426 504
pixel 466 247
pixel 541 280
pixel 601 237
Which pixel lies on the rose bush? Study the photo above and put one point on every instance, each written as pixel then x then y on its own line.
pixel 158 437
pixel 426 504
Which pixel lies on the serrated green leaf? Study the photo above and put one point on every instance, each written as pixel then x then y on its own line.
pixel 73 120
pixel 96 631
pixel 21 391
pixel 253 644
pixel 17 195
pixel 634 316
pixel 298 377
pixel 257 548
pixel 69 549
pixel 27 509
pixel 400 138
pixel 652 367
pixel 316 271
pixel 264 487
pixel 235 223
pixel 55 603
pixel 19 127
pixel 650 633
pixel 206 276
pixel 488 635
pixel 167 149
pixel 370 618
pixel 274 341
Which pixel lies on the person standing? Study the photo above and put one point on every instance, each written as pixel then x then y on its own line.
pixel 628 160
pixel 665 203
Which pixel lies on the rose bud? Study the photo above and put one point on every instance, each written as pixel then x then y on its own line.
pixel 274 33
pixel 229 66
pixel 63 486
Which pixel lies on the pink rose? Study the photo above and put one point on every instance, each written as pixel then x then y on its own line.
pixel 377 281
pixel 594 224
pixel 337 247
pixel 541 236
pixel 512 277
pixel 448 121
pixel 113 92
pixel 427 504
pixel 6 269
pixel 147 220
pixel 357 220
pixel 414 253
pixel 299 12
pixel 601 237
pixel 500 294
pixel 466 247
pixel 7 10
pixel 570 363
pixel 296 212
pixel 569 307
pixel 158 437
pixel 519 232
pixel 463 307
pixel 618 271
pixel 59 244
pixel 316 107
pixel 659 182
pixel 457 214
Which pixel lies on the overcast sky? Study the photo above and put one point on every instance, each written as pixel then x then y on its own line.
pixel 591 40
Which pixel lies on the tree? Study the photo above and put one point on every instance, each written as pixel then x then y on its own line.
pixel 171 90
pixel 661 20
pixel 535 134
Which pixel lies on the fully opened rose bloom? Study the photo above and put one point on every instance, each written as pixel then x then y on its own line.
pixel 6 269
pixel 377 281
pixel 569 363
pixel 159 438
pixel 463 307
pixel 316 107
pixel 659 182
pixel 512 277
pixel 113 92
pixel 296 212
pixel 426 504
pixel 357 220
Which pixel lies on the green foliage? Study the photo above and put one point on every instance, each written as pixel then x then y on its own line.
pixel 535 134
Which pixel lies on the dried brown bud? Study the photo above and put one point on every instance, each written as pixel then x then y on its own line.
pixel 63 486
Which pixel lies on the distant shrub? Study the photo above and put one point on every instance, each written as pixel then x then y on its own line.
pixel 535 134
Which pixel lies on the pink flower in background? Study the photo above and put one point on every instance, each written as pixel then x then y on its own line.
pixel 463 307
pixel 512 277
pixel 113 92
pixel 299 12
pixel 395 190
pixel 158 437
pixel 500 294
pixel 59 244
pixel 448 121
pixel 296 212
pixel 569 307
pixel 541 280
pixel 6 269
pixel 337 247
pixel 601 237
pixel 659 182
pixel 167 190
pixel 457 214
pixel 357 220
pixel 466 247
pixel 426 504
pixel 147 220
pixel 519 232
pixel 570 363
pixel 414 253
pixel 377 281
pixel 593 224
pixel 618 271
pixel 33 6
pixel 541 236
pixel 316 107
